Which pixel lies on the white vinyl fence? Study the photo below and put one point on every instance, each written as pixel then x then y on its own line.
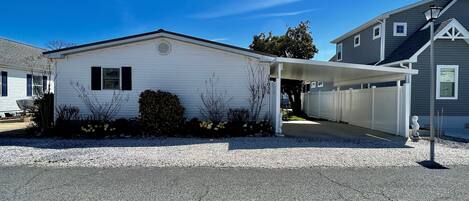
pixel 383 109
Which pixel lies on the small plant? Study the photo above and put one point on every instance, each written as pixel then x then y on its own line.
pixel 67 113
pixel 97 129
pixel 213 129
pixel 214 101
pixel 160 112
pixel 238 116
pixel 100 110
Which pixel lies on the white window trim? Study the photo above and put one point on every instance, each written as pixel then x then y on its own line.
pixel 102 79
pixel 355 39
pixel 340 48
pixel 400 24
pixel 456 83
pixel 374 30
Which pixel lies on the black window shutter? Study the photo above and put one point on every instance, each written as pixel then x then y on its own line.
pixel 4 83
pixel 95 78
pixel 44 83
pixel 29 85
pixel 126 78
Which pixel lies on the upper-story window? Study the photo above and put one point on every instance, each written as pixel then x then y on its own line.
pixel 400 29
pixel 356 40
pixel 339 52
pixel 377 32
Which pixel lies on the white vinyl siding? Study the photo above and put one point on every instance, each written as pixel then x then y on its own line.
pixel 182 72
pixel 356 40
pixel 447 82
pixel 16 90
pixel 400 29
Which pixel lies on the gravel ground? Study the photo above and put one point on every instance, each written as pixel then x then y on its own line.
pixel 237 152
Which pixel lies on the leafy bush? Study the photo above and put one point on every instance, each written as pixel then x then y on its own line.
pixel 160 112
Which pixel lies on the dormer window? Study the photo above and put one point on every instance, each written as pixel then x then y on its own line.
pixel 376 32
pixel 339 52
pixel 400 29
pixel 356 41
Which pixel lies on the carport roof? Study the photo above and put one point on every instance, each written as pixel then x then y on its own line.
pixel 338 73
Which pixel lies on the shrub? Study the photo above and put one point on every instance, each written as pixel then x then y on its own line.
pixel 128 127
pixel 43 113
pixel 67 113
pixel 160 112
pixel 66 122
pixel 238 116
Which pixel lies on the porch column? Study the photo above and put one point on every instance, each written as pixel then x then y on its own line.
pixel 408 103
pixel 278 91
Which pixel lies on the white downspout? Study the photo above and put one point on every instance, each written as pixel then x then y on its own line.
pixel 382 55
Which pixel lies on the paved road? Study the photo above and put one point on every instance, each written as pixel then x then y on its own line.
pixel 22 183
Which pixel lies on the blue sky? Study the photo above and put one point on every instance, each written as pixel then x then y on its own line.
pixel 228 21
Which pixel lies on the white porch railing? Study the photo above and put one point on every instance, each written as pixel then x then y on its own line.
pixel 384 109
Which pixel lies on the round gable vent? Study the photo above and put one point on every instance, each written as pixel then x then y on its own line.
pixel 164 48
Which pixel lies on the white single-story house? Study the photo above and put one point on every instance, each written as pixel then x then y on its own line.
pixel 181 64
pixel 23 74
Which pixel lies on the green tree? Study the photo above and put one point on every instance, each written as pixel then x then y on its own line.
pixel 298 43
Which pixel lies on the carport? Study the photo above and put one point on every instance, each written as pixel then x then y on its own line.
pixel 384 109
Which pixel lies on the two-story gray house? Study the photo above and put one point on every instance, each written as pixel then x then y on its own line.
pixel 401 38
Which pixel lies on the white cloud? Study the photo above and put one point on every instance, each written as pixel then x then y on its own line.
pixel 282 14
pixel 240 7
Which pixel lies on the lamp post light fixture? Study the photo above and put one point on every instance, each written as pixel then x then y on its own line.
pixel 432 14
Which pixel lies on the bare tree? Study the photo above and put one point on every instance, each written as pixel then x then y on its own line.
pixel 103 111
pixel 259 87
pixel 59 44
pixel 214 102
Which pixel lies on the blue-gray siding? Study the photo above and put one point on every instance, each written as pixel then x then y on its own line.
pixel 367 53
pixel 447 52
pixel 415 20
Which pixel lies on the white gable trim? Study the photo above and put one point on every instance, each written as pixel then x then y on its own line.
pixel 454 30
pixel 441 35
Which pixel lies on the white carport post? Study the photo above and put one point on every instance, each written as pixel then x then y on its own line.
pixel 278 91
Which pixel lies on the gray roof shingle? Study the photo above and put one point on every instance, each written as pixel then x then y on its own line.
pixel 17 54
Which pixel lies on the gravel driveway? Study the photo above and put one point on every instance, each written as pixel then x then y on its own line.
pixel 237 152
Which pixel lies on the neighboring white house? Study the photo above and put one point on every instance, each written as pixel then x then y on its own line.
pixel 23 76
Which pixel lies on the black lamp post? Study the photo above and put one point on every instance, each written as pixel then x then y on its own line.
pixel 432 14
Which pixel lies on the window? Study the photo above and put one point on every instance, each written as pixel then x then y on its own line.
pixel 111 78
pixel 320 84
pixel 4 84
pixel 313 85
pixel 356 41
pixel 38 88
pixel 447 82
pixel 376 32
pixel 339 52
pixel 400 29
